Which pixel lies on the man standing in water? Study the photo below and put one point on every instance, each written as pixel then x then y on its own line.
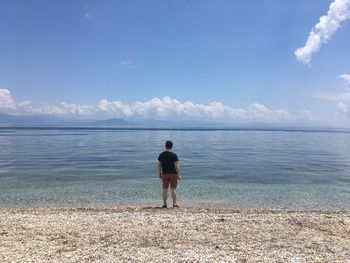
pixel 169 172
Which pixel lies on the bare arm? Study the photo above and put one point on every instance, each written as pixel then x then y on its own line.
pixel 159 167
pixel 177 167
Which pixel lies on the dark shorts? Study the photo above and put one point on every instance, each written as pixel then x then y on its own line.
pixel 169 178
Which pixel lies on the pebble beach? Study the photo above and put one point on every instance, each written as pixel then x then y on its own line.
pixel 188 234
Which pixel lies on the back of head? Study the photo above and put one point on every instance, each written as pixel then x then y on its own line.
pixel 169 145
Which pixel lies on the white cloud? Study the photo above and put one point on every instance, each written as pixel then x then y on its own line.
pixel 76 109
pixel 67 109
pixel 259 111
pixel 338 12
pixel 61 109
pixel 345 77
pixel 24 103
pixel 155 108
pixel 305 115
pixel 168 107
pixel 6 101
pixel 312 45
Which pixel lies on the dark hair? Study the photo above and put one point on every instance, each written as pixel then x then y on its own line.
pixel 169 144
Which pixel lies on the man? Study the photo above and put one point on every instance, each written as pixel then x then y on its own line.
pixel 169 172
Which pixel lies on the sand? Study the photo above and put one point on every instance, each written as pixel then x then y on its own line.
pixel 151 234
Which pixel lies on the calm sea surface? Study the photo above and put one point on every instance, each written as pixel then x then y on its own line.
pixel 81 166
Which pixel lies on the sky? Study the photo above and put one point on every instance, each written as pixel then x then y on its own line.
pixel 253 60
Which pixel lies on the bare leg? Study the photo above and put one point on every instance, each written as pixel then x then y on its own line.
pixel 165 195
pixel 173 192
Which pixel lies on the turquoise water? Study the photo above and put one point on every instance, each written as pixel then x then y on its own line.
pixel 239 168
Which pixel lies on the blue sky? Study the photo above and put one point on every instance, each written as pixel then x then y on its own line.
pixel 103 56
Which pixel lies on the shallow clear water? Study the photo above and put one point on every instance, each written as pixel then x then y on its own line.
pixel 271 169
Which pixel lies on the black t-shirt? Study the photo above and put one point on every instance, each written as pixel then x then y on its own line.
pixel 167 159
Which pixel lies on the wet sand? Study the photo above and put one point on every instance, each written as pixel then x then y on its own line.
pixel 152 234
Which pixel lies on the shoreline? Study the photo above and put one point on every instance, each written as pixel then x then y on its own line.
pixel 188 204
pixel 193 207
pixel 138 233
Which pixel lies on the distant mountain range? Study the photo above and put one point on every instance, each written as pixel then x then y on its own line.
pixel 7 120
pixel 109 122
pixel 29 119
pixel 51 120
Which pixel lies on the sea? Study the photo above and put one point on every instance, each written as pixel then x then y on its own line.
pixel 241 168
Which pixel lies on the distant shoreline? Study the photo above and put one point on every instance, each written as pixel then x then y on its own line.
pixel 51 127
